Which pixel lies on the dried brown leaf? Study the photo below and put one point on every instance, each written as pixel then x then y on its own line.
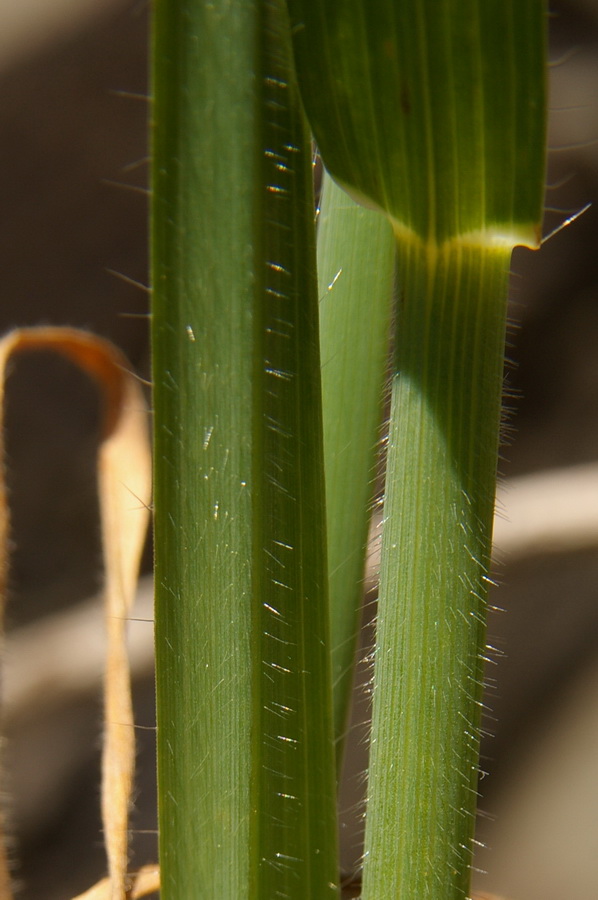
pixel 145 881
pixel 124 485
pixel 485 896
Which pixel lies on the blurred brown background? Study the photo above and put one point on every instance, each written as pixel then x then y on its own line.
pixel 73 122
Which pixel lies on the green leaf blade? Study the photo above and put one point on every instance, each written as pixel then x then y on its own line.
pixel 430 634
pixel 294 794
pixel 246 767
pixel 430 111
pixel 202 544
pixel 433 111
pixel 356 259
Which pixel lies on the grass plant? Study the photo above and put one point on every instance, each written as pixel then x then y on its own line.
pixel 432 113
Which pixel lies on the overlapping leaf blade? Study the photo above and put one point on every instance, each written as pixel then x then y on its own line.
pixel 432 111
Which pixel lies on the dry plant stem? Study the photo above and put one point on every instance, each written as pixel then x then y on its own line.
pixel 145 881
pixel 486 896
pixel 125 493
pixel 124 482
